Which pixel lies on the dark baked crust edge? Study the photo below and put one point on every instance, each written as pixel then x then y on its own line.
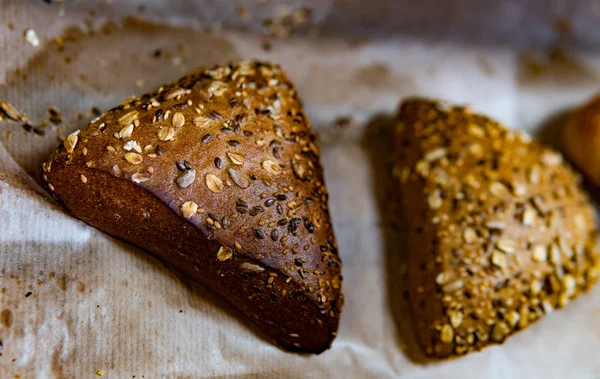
pixel 123 209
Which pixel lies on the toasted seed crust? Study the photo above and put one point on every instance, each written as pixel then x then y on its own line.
pixel 500 232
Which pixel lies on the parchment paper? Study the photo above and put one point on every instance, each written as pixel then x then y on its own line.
pixel 75 303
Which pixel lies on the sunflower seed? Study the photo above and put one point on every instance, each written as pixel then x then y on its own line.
pixel 275 234
pixel 186 178
pixel 141 176
pixel 251 268
pixel 256 210
pixel 215 115
pixel 238 178
pixel 259 234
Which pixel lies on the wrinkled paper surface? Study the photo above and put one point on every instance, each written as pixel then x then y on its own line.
pixel 97 303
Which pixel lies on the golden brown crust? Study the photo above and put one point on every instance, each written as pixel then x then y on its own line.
pixel 229 151
pixel 581 139
pixel 499 229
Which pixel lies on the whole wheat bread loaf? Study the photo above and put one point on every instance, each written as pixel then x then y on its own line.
pixel 498 229
pixel 217 174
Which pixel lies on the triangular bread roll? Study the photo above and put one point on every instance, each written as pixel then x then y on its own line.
pixel 218 175
pixel 499 230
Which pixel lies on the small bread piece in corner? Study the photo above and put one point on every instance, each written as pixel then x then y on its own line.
pixel 581 139
pixel 499 230
pixel 218 175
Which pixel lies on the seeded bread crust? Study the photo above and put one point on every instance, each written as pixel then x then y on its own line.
pixel 581 139
pixel 499 231
pixel 218 175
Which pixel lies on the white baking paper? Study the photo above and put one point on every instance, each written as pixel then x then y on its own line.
pixel 99 306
